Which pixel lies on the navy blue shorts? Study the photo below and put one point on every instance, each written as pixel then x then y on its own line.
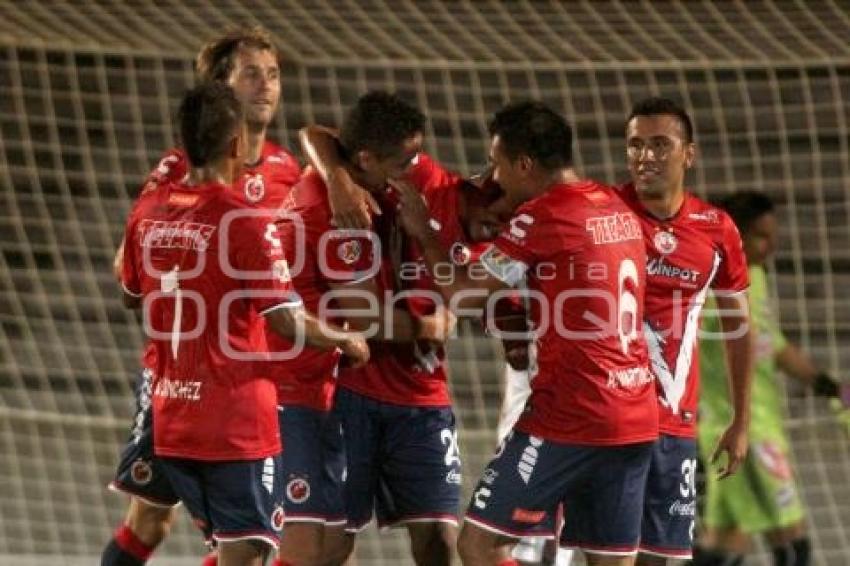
pixel 600 488
pixel 313 466
pixel 670 504
pixel 139 473
pixel 231 501
pixel 403 461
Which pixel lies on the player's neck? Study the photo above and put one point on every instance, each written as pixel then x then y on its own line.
pixel 544 182
pixel 255 141
pixel 663 206
pixel 221 173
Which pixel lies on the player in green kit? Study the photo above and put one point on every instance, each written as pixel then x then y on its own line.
pixel 762 498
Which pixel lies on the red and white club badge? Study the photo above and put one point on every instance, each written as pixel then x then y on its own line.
pixel 665 242
pixel 141 472
pixel 277 518
pixel 255 188
pixel 460 253
pixel 350 251
pixel 298 490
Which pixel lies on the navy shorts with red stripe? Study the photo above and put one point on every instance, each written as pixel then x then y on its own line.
pixel 231 501
pixel 670 503
pixel 403 462
pixel 139 472
pixel 601 489
pixel 313 465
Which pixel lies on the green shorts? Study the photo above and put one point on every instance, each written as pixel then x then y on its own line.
pixel 761 496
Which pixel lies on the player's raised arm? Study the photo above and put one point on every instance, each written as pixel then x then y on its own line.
pixel 351 204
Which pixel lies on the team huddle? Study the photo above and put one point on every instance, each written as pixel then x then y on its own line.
pixel 294 384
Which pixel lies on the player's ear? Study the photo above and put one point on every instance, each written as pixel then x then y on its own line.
pixel 690 154
pixel 234 150
pixel 524 164
pixel 364 159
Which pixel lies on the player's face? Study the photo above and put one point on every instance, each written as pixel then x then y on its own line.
pixel 480 219
pixel 657 155
pixel 760 239
pixel 256 81
pixel 507 172
pixel 394 166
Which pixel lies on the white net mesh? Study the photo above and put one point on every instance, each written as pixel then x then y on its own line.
pixel 87 91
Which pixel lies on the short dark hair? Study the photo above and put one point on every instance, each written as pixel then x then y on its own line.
pixel 216 59
pixel 379 122
pixel 209 116
pixel 659 106
pixel 745 207
pixel 531 128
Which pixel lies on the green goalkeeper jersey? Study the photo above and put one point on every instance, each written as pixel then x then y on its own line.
pixel 767 407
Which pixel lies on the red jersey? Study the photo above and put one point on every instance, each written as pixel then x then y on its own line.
pixel 580 251
pixel 188 251
pixel 264 184
pixel 410 374
pixel 697 248
pixel 321 257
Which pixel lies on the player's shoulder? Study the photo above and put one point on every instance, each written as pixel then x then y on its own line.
pixel 575 200
pixel 309 196
pixel 171 167
pixel 276 158
pixel 706 215
pixel 430 176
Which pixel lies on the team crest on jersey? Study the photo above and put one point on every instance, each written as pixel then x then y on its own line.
pixel 141 472
pixel 349 251
pixel 277 518
pixel 460 253
pixel 298 490
pixel 255 188
pixel 665 242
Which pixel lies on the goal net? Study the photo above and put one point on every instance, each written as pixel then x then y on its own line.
pixel 87 96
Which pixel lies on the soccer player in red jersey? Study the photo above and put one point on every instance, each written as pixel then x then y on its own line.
pixel 586 438
pixel 247 60
pixel 202 263
pixel 400 438
pixel 691 246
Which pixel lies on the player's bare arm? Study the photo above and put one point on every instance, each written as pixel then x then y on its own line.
pixel 292 321
pixel 363 306
pixel 735 321
pixel 351 204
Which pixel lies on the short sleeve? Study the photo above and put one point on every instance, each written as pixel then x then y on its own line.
pixel 733 275
pixel 504 267
pixel 171 168
pixel 130 277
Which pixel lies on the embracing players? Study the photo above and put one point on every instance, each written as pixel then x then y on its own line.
pixel 204 267
pixel 247 60
pixel 585 440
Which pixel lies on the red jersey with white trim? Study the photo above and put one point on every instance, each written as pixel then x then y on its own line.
pixel 264 184
pixel 697 248
pixel 320 257
pixel 191 251
pixel 579 249
pixel 409 374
